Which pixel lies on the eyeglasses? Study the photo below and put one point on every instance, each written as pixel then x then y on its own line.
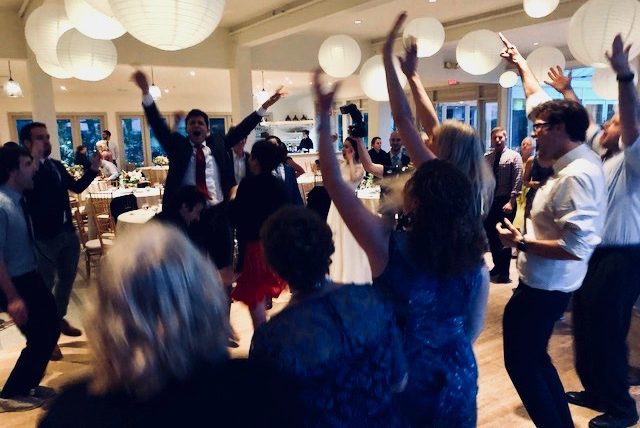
pixel 539 125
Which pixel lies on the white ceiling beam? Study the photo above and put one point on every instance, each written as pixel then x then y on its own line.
pixel 293 18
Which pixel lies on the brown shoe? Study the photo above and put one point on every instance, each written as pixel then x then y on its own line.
pixel 69 330
pixel 56 355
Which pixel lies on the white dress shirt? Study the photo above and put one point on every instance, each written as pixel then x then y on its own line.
pixel 212 175
pixel 239 167
pixel 571 208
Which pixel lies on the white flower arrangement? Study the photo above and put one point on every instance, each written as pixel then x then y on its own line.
pixel 161 161
pixel 132 178
pixel 76 171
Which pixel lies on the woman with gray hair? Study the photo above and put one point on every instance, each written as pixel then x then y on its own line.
pixel 158 330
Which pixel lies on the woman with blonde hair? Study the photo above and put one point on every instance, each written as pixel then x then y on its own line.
pixel 158 330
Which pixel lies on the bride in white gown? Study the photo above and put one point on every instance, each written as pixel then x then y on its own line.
pixel 349 263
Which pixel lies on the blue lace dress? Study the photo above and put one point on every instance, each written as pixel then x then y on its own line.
pixel 434 318
pixel 344 352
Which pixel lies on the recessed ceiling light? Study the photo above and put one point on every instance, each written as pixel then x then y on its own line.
pixel 63 88
pixel 432 1
pixel 193 73
pixel 166 91
pixel 357 21
pixel 535 43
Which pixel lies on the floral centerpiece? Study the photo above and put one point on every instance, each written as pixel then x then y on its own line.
pixel 160 161
pixel 367 182
pixel 133 178
pixel 76 171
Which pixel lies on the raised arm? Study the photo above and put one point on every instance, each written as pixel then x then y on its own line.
pixel 368 229
pixel 510 53
pixel 424 107
pixel 627 93
pixel 368 165
pixel 80 185
pixel 400 110
pixel 561 83
pixel 160 128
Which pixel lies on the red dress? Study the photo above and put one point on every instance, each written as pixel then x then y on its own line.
pixel 257 280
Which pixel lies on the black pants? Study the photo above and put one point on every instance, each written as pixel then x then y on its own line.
pixel 601 317
pixel 213 234
pixel 501 256
pixel 528 322
pixel 42 330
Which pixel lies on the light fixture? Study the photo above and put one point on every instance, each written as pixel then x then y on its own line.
pixel 539 8
pixel 262 95
pixel 536 43
pixel 358 21
pixel 478 52
pixel 92 22
pixel 192 73
pixel 169 25
pixel 508 79
pixel 154 90
pixel 542 59
pixel 604 83
pixel 86 58
pixel 373 79
pixel 339 56
pixel 429 35
pixel 44 27
pixel 63 88
pixel 11 87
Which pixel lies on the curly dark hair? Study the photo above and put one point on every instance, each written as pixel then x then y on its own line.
pixel 298 245
pixel 446 233
pixel 571 113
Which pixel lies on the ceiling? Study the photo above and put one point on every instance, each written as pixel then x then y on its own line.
pixel 298 19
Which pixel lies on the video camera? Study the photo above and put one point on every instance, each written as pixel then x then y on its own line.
pixel 357 127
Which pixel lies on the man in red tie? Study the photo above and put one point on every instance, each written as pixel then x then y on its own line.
pixel 201 160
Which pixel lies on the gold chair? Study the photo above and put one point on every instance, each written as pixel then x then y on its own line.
pixel 90 247
pixel 105 228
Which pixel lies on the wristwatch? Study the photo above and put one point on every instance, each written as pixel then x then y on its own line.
pixel 522 245
pixel 628 77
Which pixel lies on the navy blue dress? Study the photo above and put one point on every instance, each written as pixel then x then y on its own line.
pixel 434 317
pixel 345 353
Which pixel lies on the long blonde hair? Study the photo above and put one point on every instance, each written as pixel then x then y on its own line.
pixel 459 144
pixel 159 310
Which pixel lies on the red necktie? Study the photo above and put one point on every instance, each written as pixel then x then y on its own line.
pixel 201 177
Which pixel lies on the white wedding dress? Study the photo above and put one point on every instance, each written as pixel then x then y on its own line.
pixel 349 263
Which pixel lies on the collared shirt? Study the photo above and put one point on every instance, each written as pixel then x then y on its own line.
pixel 108 170
pixel 17 250
pixel 239 167
pixel 109 146
pixel 509 179
pixel 212 175
pixel 396 159
pixel 571 208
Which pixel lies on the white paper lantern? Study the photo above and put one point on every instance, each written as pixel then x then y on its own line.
pixel 539 8
pixel 374 81
pixel 542 59
pixel 339 56
pixel 86 58
pixel 604 83
pixel 169 25
pixel 155 92
pixel 508 79
pixel 44 27
pixel 429 34
pixel 478 52
pixel 53 70
pixel 92 22
pixel 102 5
pixel 593 27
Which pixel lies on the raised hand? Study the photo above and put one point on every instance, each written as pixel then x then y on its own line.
pixel 619 56
pixel 409 64
pixel 557 80
pixel 393 34
pixel 324 99
pixel 281 92
pixel 141 81
pixel 510 51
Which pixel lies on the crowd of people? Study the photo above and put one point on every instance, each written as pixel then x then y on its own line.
pixel 380 327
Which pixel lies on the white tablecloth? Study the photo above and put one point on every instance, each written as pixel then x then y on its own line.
pixel 155 174
pixel 370 197
pixel 306 182
pixel 130 220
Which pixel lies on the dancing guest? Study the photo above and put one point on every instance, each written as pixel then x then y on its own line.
pixel 158 331
pixel 81 157
pixel 339 342
pixel 259 195
pixel 602 307
pixel 432 272
pixel 349 264
pixel 567 217
pixel 286 172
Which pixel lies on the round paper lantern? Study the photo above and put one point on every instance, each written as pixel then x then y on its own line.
pixel 429 34
pixel 539 8
pixel 44 27
pixel 593 27
pixel 92 22
pixel 86 58
pixel 169 25
pixel 339 56
pixel 53 70
pixel 604 83
pixel 478 52
pixel 508 79
pixel 102 6
pixel 374 81
pixel 542 59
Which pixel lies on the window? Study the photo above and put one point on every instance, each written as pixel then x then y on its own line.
pixel 132 138
pixel 156 148
pixel 216 126
pixel 65 137
pixel 90 132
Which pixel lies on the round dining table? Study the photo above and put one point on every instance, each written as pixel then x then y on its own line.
pixel 130 220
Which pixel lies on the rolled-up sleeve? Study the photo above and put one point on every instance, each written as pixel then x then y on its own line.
pixel 577 216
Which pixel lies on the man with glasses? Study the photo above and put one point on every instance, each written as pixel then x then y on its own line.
pixel 507 169
pixel 567 218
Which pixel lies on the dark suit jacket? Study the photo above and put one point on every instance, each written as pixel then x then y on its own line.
pixel 49 199
pixel 381 158
pixel 305 143
pixel 291 184
pixel 179 150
